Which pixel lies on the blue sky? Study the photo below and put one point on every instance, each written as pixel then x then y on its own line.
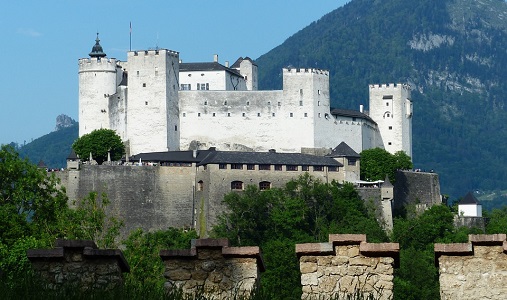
pixel 43 40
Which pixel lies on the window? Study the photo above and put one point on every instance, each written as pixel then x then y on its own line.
pixel 301 91
pixel 250 167
pixel 390 127
pixel 273 114
pixel 351 161
pixel 389 143
pixel 237 166
pixel 175 127
pixel 186 87
pixel 248 103
pixel 279 103
pixel 258 114
pixel 318 103
pixel 278 167
pixel 222 166
pixel 184 114
pixel 319 115
pixel 387 103
pixel 265 167
pixel 292 168
pixel 354 119
pixel 264 185
pixel 214 114
pixel 145 102
pixel 137 73
pixel 144 84
pixel 306 115
pixel 318 168
pixel 237 185
pixel 269 102
pixel 228 114
pixel 198 114
pixel 225 102
pixel 291 115
pixel 243 114
pixel 332 169
pixel 300 103
pixel 200 185
pixel 205 102
pixel 305 168
pixel 203 86
pixel 318 92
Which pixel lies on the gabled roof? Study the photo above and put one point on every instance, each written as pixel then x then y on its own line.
pixel 72 155
pixel 350 113
pixel 237 64
pixel 172 156
pixel 387 183
pixel 469 199
pixel 207 66
pixel 271 158
pixel 343 150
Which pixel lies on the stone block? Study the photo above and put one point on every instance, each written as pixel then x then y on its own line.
pixel 306 267
pixel 487 239
pixel 314 249
pixel 347 239
pixel 309 279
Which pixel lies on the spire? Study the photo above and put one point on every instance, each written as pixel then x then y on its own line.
pixel 97 49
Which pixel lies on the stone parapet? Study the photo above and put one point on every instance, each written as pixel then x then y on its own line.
pixel 79 263
pixel 213 267
pixel 473 270
pixel 345 266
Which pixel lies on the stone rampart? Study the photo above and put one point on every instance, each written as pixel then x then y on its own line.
pixel 211 266
pixel 79 263
pixel 416 188
pixel 473 270
pixel 347 265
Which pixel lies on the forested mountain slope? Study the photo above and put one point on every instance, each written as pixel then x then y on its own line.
pixel 452 53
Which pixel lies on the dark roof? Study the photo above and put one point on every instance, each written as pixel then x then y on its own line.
pixel 172 156
pixel 350 113
pixel 97 50
pixel 271 158
pixel 72 155
pixel 343 150
pixel 237 64
pixel 387 183
pixel 469 199
pixel 207 66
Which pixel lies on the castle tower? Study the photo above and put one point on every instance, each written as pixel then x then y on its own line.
pixel 153 106
pixel 98 80
pixel 391 108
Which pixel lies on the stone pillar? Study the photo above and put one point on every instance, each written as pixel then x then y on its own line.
pixel 216 269
pixel 473 270
pixel 79 263
pixel 347 265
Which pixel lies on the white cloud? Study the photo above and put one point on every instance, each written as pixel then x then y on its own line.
pixel 29 32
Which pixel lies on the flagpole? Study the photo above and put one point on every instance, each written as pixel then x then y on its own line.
pixel 130 36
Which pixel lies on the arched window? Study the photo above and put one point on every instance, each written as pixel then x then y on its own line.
pixel 237 185
pixel 264 185
pixel 200 185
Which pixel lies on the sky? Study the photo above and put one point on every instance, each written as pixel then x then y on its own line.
pixel 42 41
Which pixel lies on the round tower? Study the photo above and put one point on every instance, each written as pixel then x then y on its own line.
pixel 97 82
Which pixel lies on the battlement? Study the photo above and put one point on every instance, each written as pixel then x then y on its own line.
pixel 153 52
pixel 390 86
pixel 305 71
pixel 96 64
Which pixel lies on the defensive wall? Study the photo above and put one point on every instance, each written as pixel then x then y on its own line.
pixel 421 189
pixel 145 197
pixel 473 270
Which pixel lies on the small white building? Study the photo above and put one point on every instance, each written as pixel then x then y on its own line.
pixel 469 206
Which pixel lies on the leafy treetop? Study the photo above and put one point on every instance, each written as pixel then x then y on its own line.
pixel 99 142
pixel 377 163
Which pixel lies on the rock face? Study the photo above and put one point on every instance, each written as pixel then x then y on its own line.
pixel 64 121
pixel 474 270
pixel 347 266
pixel 211 266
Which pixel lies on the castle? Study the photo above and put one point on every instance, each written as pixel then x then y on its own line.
pixel 157 103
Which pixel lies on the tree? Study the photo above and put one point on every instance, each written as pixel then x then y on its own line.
pixel 376 163
pixel 99 142
pixel 30 200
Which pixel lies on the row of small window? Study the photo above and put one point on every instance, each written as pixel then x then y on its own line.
pixel 200 86
pixel 188 87
pixel 239 185
pixel 265 167
pixel 258 114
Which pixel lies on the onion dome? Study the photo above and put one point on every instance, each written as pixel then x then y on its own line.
pixel 97 49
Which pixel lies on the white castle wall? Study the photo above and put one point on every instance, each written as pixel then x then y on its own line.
pixel 216 80
pixel 152 115
pixel 391 109
pixel 249 71
pixel 97 80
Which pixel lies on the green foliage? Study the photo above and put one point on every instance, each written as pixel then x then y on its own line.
pixel 99 142
pixel 306 210
pixel 30 200
pixel 497 220
pixel 377 163
pixel 52 148
pixel 142 253
pixel 88 221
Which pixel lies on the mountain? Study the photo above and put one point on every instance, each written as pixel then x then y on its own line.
pixel 53 148
pixel 452 53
